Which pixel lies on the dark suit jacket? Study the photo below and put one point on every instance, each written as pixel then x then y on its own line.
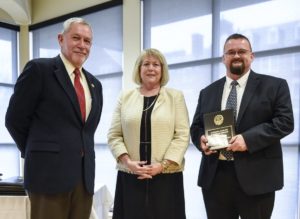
pixel 265 116
pixel 44 119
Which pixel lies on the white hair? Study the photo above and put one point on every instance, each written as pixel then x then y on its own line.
pixel 67 24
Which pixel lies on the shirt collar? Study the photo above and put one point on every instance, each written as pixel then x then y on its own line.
pixel 69 67
pixel 242 80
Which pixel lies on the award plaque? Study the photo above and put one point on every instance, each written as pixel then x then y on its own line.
pixel 219 128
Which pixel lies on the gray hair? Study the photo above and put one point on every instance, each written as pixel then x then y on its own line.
pixel 157 54
pixel 67 24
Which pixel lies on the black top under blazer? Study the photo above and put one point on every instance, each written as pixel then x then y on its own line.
pixel 265 116
pixel 44 119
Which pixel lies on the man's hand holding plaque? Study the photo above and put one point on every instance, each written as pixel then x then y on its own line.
pixel 219 128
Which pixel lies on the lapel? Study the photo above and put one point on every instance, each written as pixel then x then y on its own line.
pixel 216 95
pixel 65 82
pixel 250 89
pixel 217 98
pixel 161 98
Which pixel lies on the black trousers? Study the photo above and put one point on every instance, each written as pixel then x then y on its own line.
pixel 225 199
pixel 76 204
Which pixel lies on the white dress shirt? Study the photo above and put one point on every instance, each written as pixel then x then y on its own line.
pixel 70 69
pixel 240 88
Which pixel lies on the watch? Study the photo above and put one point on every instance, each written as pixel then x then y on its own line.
pixel 165 165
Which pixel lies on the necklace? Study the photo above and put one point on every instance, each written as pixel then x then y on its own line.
pixel 151 104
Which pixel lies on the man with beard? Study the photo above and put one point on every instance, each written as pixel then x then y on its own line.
pixel 243 183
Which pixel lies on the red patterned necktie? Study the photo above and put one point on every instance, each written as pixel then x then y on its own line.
pixel 80 93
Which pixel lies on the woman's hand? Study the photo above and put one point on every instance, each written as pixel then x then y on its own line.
pixel 152 170
pixel 137 167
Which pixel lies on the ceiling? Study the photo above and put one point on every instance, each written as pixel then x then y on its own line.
pixel 15 12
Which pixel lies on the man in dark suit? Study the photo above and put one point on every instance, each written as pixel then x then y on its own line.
pixel 52 116
pixel 244 185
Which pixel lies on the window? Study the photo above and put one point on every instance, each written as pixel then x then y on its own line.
pixel 182 31
pixel 8 53
pixel 281 16
pixel 9 154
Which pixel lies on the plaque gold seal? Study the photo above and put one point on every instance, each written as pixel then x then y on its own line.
pixel 218 119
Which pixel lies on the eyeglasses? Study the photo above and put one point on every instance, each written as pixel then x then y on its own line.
pixel 241 52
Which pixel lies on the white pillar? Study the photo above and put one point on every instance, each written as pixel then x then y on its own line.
pixel 132 39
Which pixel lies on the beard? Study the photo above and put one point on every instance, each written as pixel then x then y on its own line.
pixel 237 69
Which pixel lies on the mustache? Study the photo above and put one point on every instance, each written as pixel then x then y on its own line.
pixel 237 60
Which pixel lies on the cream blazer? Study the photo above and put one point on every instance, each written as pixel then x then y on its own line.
pixel 169 127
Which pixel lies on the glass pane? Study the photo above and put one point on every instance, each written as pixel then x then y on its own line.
pixel 107 48
pixel 8 60
pixel 5 93
pixel 286 199
pixel 184 79
pixel 44 41
pixel 182 31
pixel 277 26
pixel 9 157
pixel 111 89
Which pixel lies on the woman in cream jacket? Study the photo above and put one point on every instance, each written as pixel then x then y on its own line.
pixel 148 137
